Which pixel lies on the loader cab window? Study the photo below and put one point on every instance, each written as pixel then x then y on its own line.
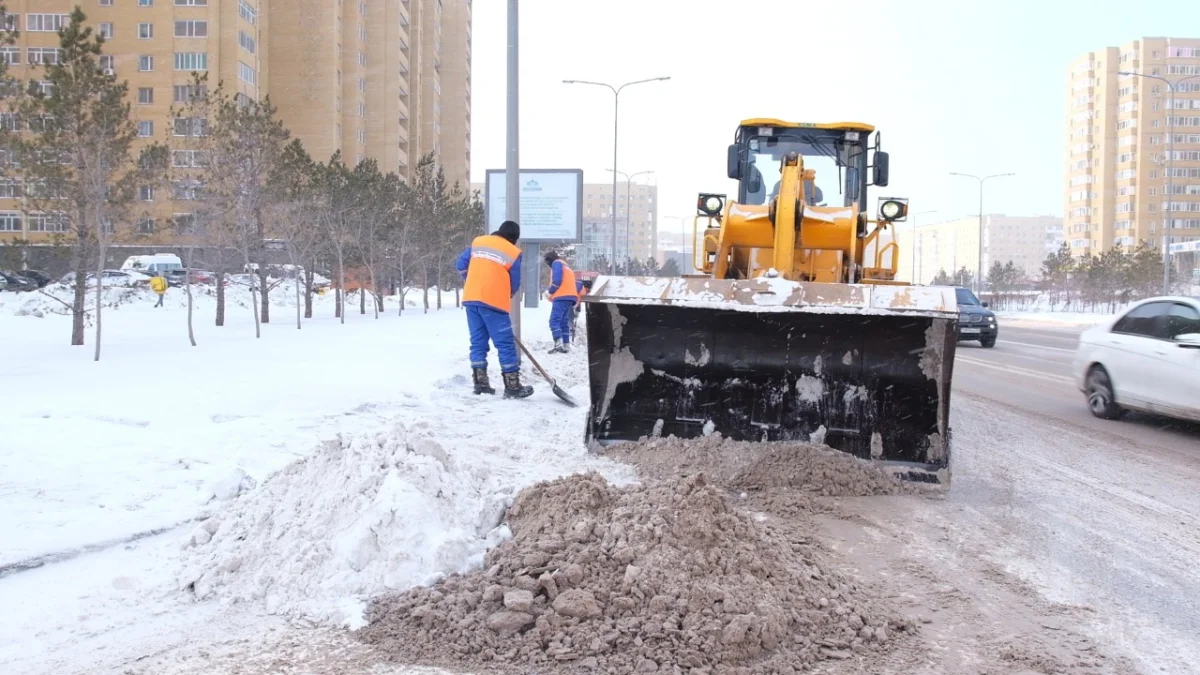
pixel 823 154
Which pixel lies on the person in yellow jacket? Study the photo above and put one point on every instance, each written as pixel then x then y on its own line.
pixel 491 271
pixel 158 284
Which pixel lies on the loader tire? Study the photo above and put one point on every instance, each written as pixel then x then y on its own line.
pixel 1101 396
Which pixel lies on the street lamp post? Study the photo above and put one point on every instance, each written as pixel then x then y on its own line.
pixel 979 266
pixel 512 164
pixel 1171 89
pixel 686 262
pixel 616 109
pixel 916 273
pixel 628 203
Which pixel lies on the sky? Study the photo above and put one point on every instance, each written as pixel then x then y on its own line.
pixel 953 85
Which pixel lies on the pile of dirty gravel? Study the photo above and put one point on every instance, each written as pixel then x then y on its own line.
pixel 636 579
pixel 741 465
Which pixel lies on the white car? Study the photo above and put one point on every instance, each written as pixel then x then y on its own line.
pixel 1145 359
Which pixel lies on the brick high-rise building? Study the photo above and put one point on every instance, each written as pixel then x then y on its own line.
pixel 386 79
pixel 1117 142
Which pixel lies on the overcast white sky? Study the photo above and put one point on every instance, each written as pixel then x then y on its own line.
pixel 954 85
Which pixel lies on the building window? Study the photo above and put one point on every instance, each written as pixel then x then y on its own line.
pixel 247 11
pixel 11 22
pixel 184 93
pixel 362 84
pixel 106 30
pixel 46 23
pixel 146 193
pixel 10 221
pixel 108 63
pixel 191 29
pixel 191 3
pixel 191 60
pixel 145 31
pixel 10 55
pixel 145 63
pixel 247 42
pixel 145 128
pixel 10 189
pixel 106 3
pixel 188 159
pixel 362 110
pixel 362 58
pixel 145 3
pixel 145 226
pixel 145 95
pixel 44 56
pixel 45 222
pixel 189 126
pixel 247 74
pixel 1183 52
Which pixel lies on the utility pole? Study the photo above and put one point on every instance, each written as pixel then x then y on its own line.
pixel 512 164
pixel 616 110
pixel 629 204
pixel 979 266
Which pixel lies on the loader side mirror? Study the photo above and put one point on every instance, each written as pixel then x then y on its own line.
pixel 879 170
pixel 733 163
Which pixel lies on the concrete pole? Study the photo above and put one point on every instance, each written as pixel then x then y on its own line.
pixel 1166 247
pixel 512 171
pixel 616 110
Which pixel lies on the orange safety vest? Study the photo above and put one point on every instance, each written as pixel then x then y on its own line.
pixel 492 256
pixel 566 289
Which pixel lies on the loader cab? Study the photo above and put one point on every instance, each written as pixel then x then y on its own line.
pixel 837 153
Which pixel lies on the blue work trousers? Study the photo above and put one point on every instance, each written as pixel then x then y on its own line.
pixel 560 318
pixel 490 323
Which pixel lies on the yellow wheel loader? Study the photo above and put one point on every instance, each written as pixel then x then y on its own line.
pixel 797 329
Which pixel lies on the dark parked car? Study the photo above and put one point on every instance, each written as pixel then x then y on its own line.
pixel 39 277
pixel 16 282
pixel 975 320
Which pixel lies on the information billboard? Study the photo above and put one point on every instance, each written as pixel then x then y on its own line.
pixel 551 204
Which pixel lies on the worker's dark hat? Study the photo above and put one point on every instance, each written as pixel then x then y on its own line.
pixel 550 257
pixel 510 231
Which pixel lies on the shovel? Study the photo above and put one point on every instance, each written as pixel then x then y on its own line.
pixel 558 391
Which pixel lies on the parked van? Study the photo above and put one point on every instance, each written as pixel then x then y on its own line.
pixel 152 264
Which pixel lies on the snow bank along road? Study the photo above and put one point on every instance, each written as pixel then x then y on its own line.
pixel 1099 515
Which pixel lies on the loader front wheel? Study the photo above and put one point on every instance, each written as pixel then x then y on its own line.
pixel 1102 400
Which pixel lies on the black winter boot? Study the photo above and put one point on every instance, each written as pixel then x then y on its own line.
pixel 482 386
pixel 557 348
pixel 513 387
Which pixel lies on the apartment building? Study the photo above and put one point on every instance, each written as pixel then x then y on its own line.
pixel 637 220
pixel 385 79
pixel 954 244
pixel 342 74
pixel 1125 179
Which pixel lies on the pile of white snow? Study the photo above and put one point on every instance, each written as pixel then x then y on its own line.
pixel 360 516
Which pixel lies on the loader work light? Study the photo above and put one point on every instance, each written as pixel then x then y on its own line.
pixel 892 210
pixel 710 204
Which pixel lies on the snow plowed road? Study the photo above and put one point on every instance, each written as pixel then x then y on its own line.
pixel 1099 519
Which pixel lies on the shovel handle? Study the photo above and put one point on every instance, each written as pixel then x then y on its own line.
pixel 533 361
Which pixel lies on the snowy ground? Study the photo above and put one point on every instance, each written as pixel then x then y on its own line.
pixel 108 469
pixel 353 458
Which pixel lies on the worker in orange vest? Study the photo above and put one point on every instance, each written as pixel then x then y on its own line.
pixel 563 295
pixel 491 271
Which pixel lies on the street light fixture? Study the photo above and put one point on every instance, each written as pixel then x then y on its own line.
pixel 979 266
pixel 628 203
pixel 916 273
pixel 1171 89
pixel 616 109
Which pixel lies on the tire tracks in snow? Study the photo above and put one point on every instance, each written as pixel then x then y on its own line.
pixel 34 562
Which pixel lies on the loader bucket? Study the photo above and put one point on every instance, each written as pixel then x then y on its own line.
pixel 776 360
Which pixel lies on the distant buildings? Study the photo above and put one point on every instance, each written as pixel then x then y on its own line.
pixel 1115 188
pixel 953 244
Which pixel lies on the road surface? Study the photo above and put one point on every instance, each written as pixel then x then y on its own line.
pixel 1100 520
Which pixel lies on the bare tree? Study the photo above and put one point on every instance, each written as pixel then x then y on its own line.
pixel 78 157
pixel 247 150
pixel 293 210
